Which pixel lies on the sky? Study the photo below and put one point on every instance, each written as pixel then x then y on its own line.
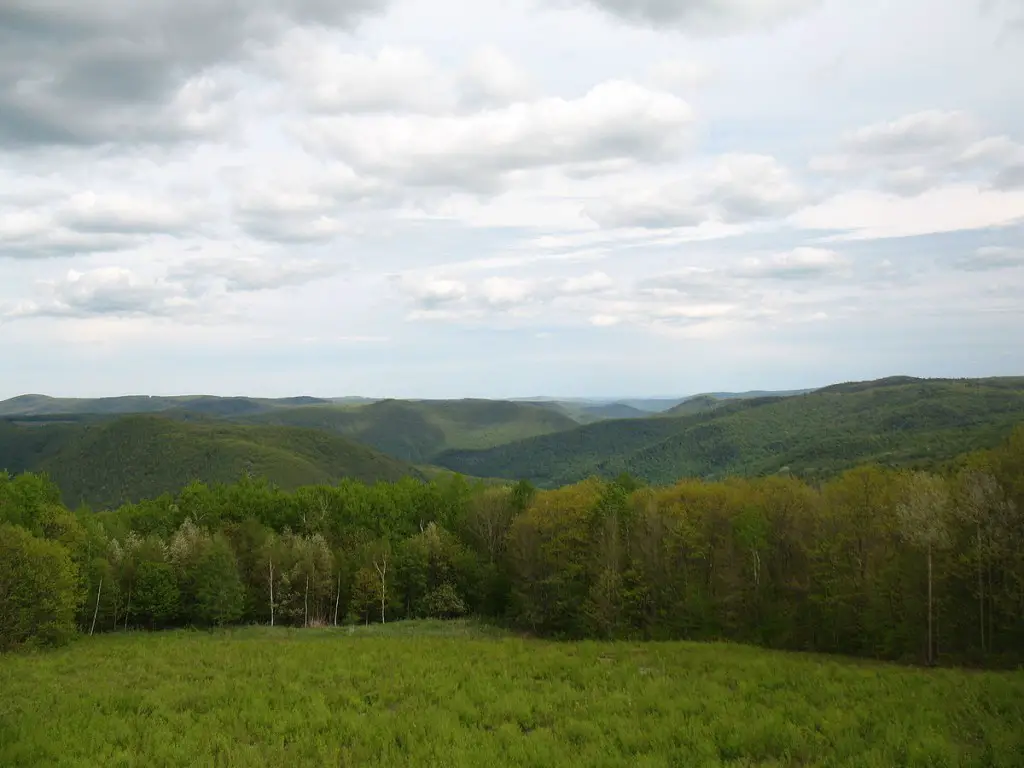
pixel 501 198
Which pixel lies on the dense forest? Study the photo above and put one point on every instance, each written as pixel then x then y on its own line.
pixel 106 462
pixel 101 455
pixel 875 562
pixel 899 422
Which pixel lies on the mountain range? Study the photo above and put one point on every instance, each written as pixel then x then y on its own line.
pixel 107 451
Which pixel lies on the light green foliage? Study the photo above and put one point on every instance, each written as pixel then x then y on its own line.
pixel 38 590
pixel 412 694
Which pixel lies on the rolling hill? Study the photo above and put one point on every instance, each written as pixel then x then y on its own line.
pixel 900 421
pixel 210 405
pixel 409 430
pixel 418 430
pixel 105 462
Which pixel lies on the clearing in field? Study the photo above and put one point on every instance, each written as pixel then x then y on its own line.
pixel 456 694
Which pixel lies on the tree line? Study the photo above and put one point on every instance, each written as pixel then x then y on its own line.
pixel 879 563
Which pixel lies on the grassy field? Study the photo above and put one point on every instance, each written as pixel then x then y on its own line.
pixel 455 694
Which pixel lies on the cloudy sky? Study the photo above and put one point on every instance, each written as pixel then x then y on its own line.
pixel 507 197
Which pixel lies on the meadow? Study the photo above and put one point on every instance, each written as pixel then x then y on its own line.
pixel 462 694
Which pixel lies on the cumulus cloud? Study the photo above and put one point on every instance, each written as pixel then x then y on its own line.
pixel 737 188
pixel 705 16
pixel 326 78
pixel 919 151
pixel 121 213
pixel 185 290
pixel 452 299
pixel 298 205
pixel 614 120
pixel 492 79
pixel 108 291
pixel 118 70
pixel 92 222
pixel 799 264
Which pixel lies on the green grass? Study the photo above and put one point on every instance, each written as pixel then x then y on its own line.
pixel 425 694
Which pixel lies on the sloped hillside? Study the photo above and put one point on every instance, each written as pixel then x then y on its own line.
pixel 108 462
pixel 897 421
pixel 418 430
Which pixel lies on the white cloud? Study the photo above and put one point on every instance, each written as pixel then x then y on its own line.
pixel 679 75
pixel 121 213
pixel 492 78
pixel 799 264
pixel 868 214
pixel 595 282
pixel 505 292
pixel 923 150
pixel 315 67
pixel 614 120
pixel 736 188
pixel 111 291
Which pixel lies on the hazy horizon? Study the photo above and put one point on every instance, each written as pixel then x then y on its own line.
pixel 601 398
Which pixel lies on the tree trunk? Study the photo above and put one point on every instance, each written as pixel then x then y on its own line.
pixel 382 571
pixel 305 606
pixel 981 593
pixel 931 659
pixel 991 608
pixel 96 611
pixel 337 600
pixel 128 608
pixel 271 591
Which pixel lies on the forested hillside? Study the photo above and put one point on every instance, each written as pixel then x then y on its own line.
pixel 105 463
pixel 900 422
pixel 37 405
pixel 910 566
pixel 418 430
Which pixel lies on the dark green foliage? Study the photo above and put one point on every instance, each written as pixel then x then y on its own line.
pixel 108 463
pixel 416 431
pixel 36 405
pixel 902 422
pixel 155 599
pixel 38 590
pixel 875 562
pixel 219 595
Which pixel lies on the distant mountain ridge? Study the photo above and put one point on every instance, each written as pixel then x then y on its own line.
pixel 901 421
pixel 898 420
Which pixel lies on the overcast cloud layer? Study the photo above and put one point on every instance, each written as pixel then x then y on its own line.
pixel 507 198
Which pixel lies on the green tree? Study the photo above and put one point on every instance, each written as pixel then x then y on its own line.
pixel 38 590
pixel 923 516
pixel 156 593
pixel 220 595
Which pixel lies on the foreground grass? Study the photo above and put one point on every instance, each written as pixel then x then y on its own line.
pixel 456 694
